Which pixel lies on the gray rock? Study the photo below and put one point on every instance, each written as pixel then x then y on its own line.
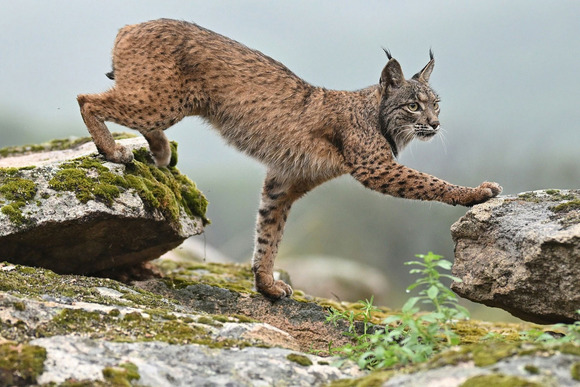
pixel 73 212
pixel 89 324
pixel 161 364
pixel 522 254
pixel 549 370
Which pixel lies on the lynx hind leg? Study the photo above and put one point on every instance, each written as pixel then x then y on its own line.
pixel 276 201
pixel 159 146
pixel 95 110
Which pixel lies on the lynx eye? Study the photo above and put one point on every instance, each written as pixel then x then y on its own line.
pixel 436 105
pixel 413 107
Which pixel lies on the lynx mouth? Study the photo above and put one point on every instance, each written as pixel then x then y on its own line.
pixel 425 134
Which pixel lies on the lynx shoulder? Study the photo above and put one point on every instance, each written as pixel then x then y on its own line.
pixel 165 70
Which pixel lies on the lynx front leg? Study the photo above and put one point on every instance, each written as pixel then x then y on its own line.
pixel 372 163
pixel 401 181
pixel 277 198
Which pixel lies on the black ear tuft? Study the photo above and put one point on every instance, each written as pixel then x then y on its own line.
pixel 425 73
pixel 388 53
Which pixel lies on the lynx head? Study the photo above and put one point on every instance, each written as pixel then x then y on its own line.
pixel 409 108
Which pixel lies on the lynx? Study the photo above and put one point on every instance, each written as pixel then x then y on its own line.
pixel 165 70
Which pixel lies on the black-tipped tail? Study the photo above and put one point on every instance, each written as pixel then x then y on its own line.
pixel 110 75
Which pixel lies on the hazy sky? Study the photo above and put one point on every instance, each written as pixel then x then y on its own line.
pixel 507 73
pixel 500 65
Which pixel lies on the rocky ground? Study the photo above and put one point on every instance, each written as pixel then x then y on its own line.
pixel 90 312
pixel 202 324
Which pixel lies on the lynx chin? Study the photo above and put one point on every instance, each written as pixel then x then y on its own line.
pixel 165 70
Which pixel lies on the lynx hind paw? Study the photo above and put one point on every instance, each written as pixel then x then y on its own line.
pixel 162 160
pixel 277 290
pixel 121 155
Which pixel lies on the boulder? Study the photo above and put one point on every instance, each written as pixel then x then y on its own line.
pixel 522 254
pixel 72 212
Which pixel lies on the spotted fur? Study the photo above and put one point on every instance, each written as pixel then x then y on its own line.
pixel 165 70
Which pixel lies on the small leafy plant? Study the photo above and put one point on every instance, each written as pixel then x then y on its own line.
pixel 570 333
pixel 410 336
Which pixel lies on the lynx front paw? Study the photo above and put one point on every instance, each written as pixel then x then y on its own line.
pixel 275 289
pixel 121 155
pixel 484 192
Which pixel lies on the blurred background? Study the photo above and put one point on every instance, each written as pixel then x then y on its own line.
pixel 507 74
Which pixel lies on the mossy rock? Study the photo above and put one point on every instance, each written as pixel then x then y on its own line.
pixel 84 214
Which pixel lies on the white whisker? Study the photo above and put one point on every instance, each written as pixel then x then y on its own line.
pixel 443 139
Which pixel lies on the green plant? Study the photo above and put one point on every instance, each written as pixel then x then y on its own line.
pixel 410 336
pixel 557 333
pixel 360 341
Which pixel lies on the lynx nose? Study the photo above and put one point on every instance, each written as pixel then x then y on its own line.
pixel 434 125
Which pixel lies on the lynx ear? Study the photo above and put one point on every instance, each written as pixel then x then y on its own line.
pixel 392 75
pixel 423 75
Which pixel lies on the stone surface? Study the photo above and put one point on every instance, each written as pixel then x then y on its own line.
pixel 87 325
pixel 72 212
pixel 522 254
pixel 161 364
pixel 201 324
pixel 526 370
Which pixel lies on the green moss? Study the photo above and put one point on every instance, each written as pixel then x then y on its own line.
pixel 13 188
pixel 570 348
pixel 234 277
pixel 131 328
pixel 18 191
pixel 20 306
pixel 575 370
pixel 121 375
pixel 221 319
pixel 299 359
pixel 174 158
pixel 17 282
pixel 498 380
pixel 133 316
pixel 89 180
pixel 244 319
pixel 10 171
pixel 374 379
pixel 73 320
pixel 20 364
pixel 492 353
pixel 164 189
pixel 13 212
pixel 532 369
pixel 208 320
pixel 567 206
pixel 529 197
